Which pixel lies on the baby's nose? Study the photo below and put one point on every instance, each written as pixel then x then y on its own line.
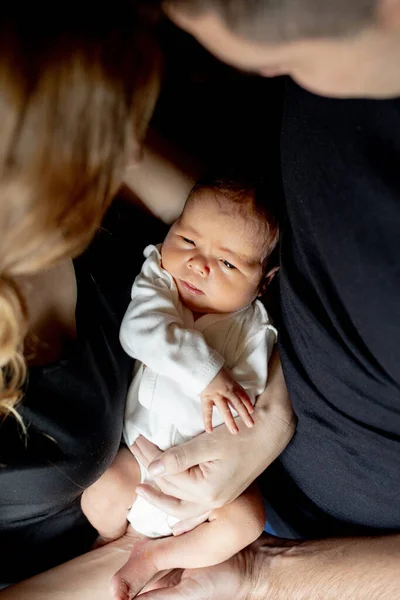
pixel 199 265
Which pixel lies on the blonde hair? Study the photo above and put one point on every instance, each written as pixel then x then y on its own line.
pixel 75 97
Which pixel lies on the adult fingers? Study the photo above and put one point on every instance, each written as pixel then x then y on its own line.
pixel 187 589
pixel 145 451
pixel 183 457
pixel 164 579
pixel 175 507
pixel 221 582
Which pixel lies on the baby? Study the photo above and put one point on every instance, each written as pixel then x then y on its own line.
pixel 201 339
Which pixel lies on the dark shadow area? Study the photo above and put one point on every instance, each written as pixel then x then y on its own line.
pixel 224 117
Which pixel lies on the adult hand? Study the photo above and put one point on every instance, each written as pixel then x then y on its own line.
pixel 213 469
pixel 275 569
pixel 242 577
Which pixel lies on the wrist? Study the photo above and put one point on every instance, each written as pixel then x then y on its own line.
pixel 275 418
pixel 263 567
pixel 333 569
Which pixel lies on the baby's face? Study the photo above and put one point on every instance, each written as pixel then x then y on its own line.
pixel 215 254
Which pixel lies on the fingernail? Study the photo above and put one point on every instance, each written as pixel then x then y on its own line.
pixel 156 468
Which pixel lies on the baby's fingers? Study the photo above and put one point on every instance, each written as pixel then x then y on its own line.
pixel 207 409
pixel 223 406
pixel 242 410
pixel 244 398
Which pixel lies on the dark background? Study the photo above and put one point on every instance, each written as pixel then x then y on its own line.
pixel 224 117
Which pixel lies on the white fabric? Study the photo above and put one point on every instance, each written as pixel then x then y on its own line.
pixel 178 358
pixel 146 518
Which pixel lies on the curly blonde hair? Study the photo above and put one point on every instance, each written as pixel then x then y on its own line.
pixel 76 95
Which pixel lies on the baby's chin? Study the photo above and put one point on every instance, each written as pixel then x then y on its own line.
pixel 196 308
pixel 200 310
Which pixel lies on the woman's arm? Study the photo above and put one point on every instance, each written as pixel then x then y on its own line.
pixel 163 179
pixel 87 577
pixel 212 470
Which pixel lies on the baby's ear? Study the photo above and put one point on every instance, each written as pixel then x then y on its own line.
pixel 266 280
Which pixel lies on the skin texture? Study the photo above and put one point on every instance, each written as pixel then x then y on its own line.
pixel 217 250
pixel 227 530
pixel 274 569
pixel 362 65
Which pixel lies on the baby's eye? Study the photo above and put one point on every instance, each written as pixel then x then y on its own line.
pixel 228 265
pixel 188 241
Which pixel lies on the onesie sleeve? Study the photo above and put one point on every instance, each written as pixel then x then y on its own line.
pixel 153 330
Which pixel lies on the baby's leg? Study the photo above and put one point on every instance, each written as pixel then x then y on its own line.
pixel 228 530
pixel 106 503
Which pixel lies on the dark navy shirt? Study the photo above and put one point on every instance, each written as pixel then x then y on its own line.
pixel 340 300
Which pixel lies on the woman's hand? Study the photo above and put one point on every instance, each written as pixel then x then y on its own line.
pixel 213 469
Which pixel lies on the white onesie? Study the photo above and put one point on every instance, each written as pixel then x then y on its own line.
pixel 177 357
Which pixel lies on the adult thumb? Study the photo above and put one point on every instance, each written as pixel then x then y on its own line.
pixel 181 458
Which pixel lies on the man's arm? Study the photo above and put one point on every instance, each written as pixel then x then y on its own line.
pixel 272 569
pixel 211 470
pixel 362 568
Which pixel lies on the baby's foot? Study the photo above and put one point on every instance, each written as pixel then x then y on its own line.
pixel 136 573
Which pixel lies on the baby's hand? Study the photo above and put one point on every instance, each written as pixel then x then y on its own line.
pixel 226 393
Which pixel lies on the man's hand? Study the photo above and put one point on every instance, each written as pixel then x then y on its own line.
pixel 245 576
pixel 226 393
pixel 233 579
pixel 222 582
pixel 277 569
pixel 210 471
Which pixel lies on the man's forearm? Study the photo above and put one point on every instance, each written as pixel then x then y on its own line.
pixel 274 417
pixel 332 569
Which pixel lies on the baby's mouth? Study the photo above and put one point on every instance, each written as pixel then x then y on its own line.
pixel 190 288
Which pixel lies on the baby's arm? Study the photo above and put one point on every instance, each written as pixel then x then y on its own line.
pixel 153 332
pixel 228 530
pixel 107 501
pixel 238 388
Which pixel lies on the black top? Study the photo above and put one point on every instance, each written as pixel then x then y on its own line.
pixel 73 410
pixel 340 338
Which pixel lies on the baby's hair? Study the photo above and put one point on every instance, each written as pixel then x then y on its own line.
pixel 254 197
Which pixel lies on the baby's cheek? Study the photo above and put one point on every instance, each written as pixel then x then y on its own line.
pixel 167 261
